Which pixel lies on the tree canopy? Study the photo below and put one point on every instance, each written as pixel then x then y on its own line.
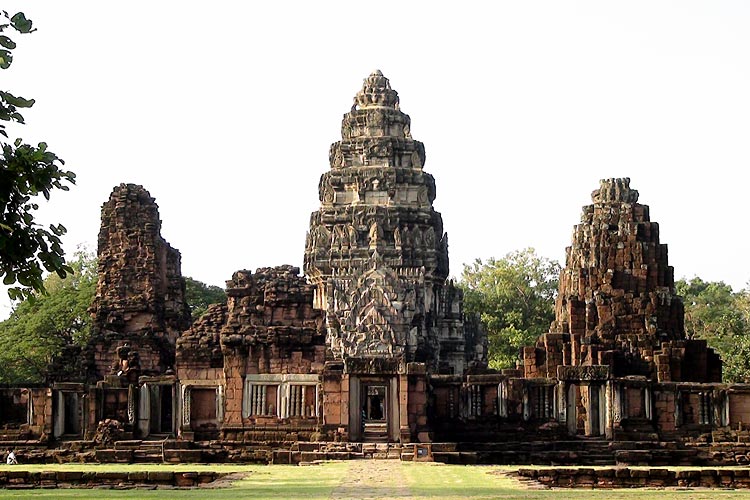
pixel 722 317
pixel 41 326
pixel 44 324
pixel 27 248
pixel 200 295
pixel 514 298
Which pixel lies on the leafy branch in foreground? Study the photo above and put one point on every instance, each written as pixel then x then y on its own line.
pixel 27 249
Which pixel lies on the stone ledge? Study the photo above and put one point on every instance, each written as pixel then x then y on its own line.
pixel 22 479
pixel 625 477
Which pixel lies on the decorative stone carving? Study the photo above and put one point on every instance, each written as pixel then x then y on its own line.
pixel 368 314
pixel 186 405
pixel 381 190
pixel 588 372
pixel 127 361
pixel 352 233
pixel 375 235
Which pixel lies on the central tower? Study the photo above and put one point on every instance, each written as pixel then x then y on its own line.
pixel 376 251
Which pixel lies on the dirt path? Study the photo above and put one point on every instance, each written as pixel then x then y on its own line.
pixel 372 479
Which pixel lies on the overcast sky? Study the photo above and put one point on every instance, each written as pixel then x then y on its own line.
pixel 225 112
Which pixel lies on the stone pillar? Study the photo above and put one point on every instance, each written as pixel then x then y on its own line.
pixel 502 395
pixel 526 403
pixel 354 409
pixel 562 401
pixel 220 404
pixel 59 414
pixel 185 431
pixel 609 412
pixel 144 411
pixel 571 410
pixel 399 423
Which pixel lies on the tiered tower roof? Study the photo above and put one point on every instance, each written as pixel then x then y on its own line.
pixel 376 250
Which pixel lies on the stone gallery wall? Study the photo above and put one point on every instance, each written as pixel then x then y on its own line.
pixel 270 345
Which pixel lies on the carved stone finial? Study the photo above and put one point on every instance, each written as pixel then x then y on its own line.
pixel 376 92
pixel 614 190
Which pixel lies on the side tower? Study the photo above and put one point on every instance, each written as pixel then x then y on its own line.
pixel 124 373
pixel 140 287
pixel 617 319
pixel 139 309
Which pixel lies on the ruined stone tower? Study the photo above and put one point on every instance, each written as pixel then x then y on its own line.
pixel 376 251
pixel 617 305
pixel 140 296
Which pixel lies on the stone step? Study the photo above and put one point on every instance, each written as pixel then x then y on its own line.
pixel 140 456
pixel 129 444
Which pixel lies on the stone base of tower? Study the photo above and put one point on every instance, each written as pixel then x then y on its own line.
pixel 688 360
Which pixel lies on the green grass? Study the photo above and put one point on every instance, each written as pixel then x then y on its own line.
pixel 353 479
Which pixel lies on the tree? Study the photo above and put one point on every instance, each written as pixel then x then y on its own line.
pixel 25 172
pixel 44 324
pixel 199 296
pixel 722 317
pixel 514 297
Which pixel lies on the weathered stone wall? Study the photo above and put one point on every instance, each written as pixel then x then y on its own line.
pixel 140 286
pixel 271 328
pixel 199 347
pixel 24 479
pixel 624 477
pixel 140 298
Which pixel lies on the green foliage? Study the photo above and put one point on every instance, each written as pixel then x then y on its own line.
pixel 44 323
pixel 722 317
pixel 199 296
pixel 514 297
pixel 25 172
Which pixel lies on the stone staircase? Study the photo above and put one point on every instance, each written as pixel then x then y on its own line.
pixel 158 448
pixel 308 452
pixel 375 433
pixel 589 452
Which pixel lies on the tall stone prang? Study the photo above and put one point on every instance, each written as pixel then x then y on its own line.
pixel 617 305
pixel 376 251
pixel 140 295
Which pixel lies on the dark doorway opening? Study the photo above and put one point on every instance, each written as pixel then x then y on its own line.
pixel 162 405
pixel 72 422
pixel 376 401
pixel 375 412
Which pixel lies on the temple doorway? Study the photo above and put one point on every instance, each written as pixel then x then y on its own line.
pixel 162 409
pixel 374 408
pixel 156 410
pixel 375 411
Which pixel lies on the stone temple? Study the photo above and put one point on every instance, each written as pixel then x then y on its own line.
pixel 369 353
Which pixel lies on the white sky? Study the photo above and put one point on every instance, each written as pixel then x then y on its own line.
pixel 225 111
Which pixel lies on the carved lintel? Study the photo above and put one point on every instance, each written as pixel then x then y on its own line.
pixel 591 372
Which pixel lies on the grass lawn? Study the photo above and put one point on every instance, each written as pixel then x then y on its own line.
pixel 381 479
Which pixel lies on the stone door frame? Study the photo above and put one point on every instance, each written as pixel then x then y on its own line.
pixel 357 383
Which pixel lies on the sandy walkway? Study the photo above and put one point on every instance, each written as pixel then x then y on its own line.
pixel 372 479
